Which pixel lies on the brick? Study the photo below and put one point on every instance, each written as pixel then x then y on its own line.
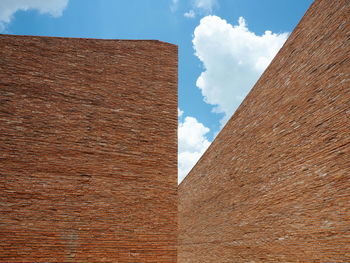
pixel 88 169
pixel 274 184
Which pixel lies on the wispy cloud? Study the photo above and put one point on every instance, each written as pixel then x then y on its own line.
pixel 233 58
pixel 190 14
pixel 9 7
pixel 206 5
pixel 200 7
pixel 174 5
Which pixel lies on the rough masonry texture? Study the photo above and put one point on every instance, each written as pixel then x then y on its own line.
pixel 88 150
pixel 274 186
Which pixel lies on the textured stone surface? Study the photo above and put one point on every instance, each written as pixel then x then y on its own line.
pixel 88 150
pixel 274 186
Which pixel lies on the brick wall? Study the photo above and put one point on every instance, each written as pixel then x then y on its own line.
pixel 274 186
pixel 88 150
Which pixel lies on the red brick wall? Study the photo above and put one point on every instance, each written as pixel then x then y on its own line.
pixel 88 150
pixel 274 186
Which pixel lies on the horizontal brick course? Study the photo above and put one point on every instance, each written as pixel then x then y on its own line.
pixel 88 169
pixel 274 185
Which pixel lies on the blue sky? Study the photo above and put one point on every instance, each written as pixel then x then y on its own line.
pixel 223 46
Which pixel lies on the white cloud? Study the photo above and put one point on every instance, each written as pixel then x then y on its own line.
pixel 192 143
pixel 206 5
pixel 190 14
pixel 10 7
pixel 200 7
pixel 179 112
pixel 233 59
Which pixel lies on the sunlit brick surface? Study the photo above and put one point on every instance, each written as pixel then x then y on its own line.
pixel 88 150
pixel 275 184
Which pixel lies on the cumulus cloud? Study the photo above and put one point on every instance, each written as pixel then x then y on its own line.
pixel 233 58
pixel 10 7
pixel 192 143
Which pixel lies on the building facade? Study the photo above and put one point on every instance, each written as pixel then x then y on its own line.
pixel 88 169
pixel 274 184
